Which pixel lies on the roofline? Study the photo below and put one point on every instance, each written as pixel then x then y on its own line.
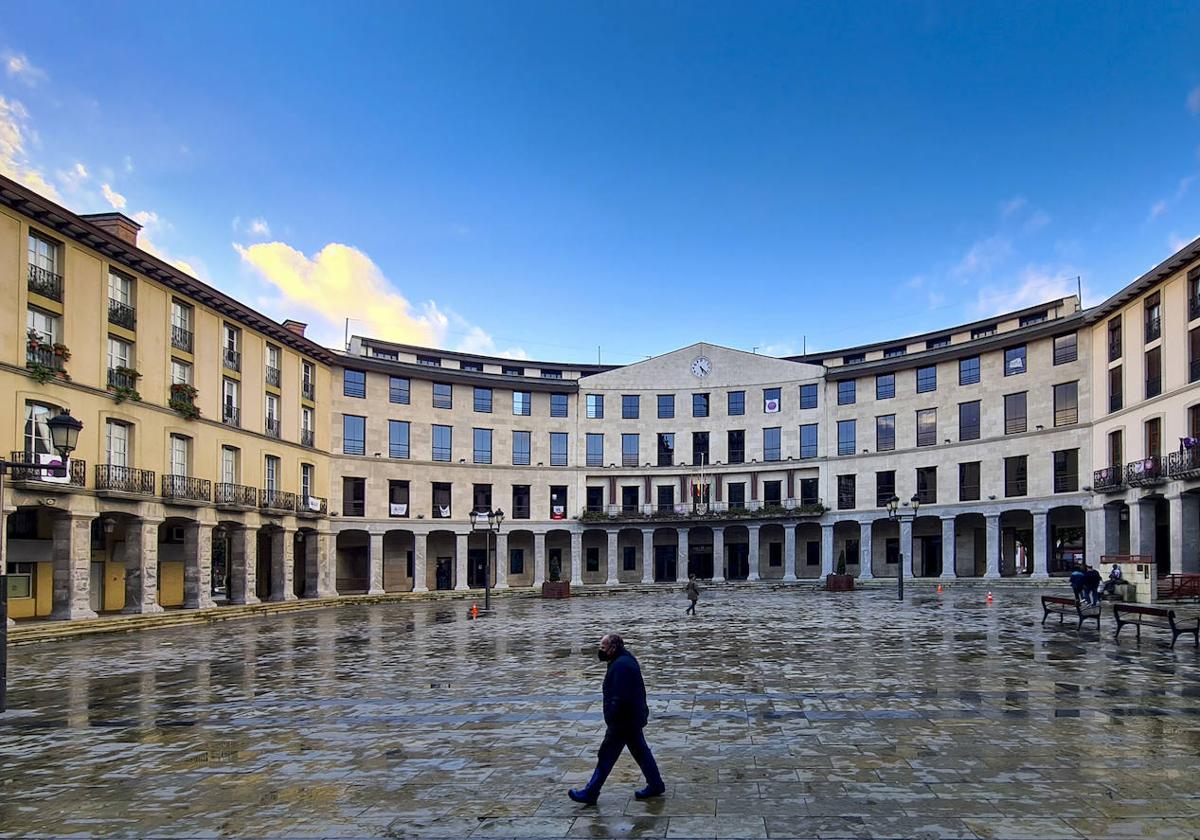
pixel 479 357
pixel 1171 265
pixel 466 377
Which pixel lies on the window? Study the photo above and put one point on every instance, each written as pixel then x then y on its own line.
pixel 483 400
pixel 1153 317
pixel 1032 318
pixel 398 498
pixel 885 487
pixel 927 427
pixel 429 361
pixel 736 446
pixel 181 372
pixel 181 455
pixel 37 431
pixel 737 495
pixel 629 407
pixel 846 392
pixel 230 465
pixel 442 496
pixel 665 497
pixel 846 488
pixel 699 405
pixel 551 374
pixel 666 449
pixel 893 352
pixel 1194 422
pixel 1153 437
pixel 230 400
pixel 1066 403
pixel 808 395
pixel 271 474
pixel 558 405
pixel 481 498
pixel 846 439
pixel 120 299
pixel 354 383
pixel 443 395
pixel 1015 420
pixel 666 406
pixel 520 501
pixel 771 444
pixel 629 450
pixel 272 418
pixel 968 370
pixel 1115 385
pixel 273 372
pixel 307 426
pixel 1015 476
pixel 1116 455
pixel 885 386
pixel 808 440
pixel 442 437
pixel 43 253
pixel 1153 372
pixel 354 496
pixel 307 476
pixel 809 492
pixel 1066 349
pixel 522 401
pixel 1193 294
pixel 699 448
pixel 927 485
pixel 354 434
pixel 512 371
pixel 1194 355
pixel 771 404
pixel 935 343
pixel 595 406
pixel 968 482
pixel 968 420
pixel 854 359
pixel 522 445
pixel 120 354
pixel 1066 471
pixel 44 324
pixel 398 390
pixel 595 450
pixel 629 499
pixel 1114 339
pixel 737 403
pixel 1014 360
pixel 926 379
pixel 885 433
pixel 558 449
pixel 984 331
pixel 481 446
pixel 181 326
pixel 558 501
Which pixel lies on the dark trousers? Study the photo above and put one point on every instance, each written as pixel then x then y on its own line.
pixel 614 741
pixel 692 607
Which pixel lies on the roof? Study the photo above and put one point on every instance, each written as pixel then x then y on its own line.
pixel 1171 265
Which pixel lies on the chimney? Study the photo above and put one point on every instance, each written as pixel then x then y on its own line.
pixel 298 327
pixel 118 224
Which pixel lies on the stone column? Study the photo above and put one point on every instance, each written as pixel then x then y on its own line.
pixel 197 566
pixel 243 565
pixel 460 561
pixel 949 549
pixel 141 566
pixel 681 553
pixel 718 555
pixel 993 545
pixel 501 560
pixel 1096 534
pixel 752 530
pixel 1185 539
pixel 613 580
pixel 283 555
pixel 826 549
pixel 322 563
pixel 420 563
pixel 1041 546
pixel 72 551
pixel 789 551
pixel 539 559
pixel 647 555
pixel 866 549
pixel 375 565
pixel 1141 529
pixel 576 558
pixel 906 546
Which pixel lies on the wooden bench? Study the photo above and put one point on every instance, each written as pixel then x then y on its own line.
pixel 1066 606
pixel 1140 614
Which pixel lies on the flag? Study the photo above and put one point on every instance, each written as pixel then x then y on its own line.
pixel 771 406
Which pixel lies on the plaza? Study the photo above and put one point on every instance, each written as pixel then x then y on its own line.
pixel 776 712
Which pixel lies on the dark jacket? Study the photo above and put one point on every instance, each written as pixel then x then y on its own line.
pixel 1091 579
pixel 693 591
pixel 625 693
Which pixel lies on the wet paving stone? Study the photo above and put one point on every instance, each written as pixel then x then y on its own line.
pixel 775 714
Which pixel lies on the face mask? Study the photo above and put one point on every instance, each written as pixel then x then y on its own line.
pixel 601 655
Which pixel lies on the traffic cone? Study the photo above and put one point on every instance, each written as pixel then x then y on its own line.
pixel 475 607
pixel 939 589
pixel 989 600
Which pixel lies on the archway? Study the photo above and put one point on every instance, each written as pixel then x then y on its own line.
pixel 1066 531
pixel 970 531
pixel 353 553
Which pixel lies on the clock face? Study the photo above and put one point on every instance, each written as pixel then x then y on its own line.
pixel 701 367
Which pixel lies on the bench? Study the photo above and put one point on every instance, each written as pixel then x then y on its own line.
pixel 1140 614
pixel 1066 606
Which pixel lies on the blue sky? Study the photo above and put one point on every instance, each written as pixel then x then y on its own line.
pixel 543 178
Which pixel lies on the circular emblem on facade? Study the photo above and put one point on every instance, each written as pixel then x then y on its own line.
pixel 701 367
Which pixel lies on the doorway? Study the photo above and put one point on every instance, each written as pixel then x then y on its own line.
pixel 476 568
pixel 664 562
pixel 737 560
pixel 443 576
pixel 931 556
pixel 700 561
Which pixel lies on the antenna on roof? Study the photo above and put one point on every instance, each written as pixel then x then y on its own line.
pixel 1079 288
pixel 597 354
pixel 804 345
pixel 347 333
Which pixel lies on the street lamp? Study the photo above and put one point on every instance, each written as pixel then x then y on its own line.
pixel 64 435
pixel 488 521
pixel 897 515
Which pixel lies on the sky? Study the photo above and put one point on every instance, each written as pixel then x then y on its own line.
pixel 610 180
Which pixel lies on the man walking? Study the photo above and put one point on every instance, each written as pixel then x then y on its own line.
pixel 625 715
pixel 693 593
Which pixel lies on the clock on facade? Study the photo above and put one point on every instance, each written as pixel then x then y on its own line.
pixel 701 367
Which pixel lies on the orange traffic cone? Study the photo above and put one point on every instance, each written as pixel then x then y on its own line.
pixel 475 608
pixel 939 589
pixel 989 600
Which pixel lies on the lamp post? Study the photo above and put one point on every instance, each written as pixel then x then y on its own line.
pixel 64 435
pixel 489 522
pixel 897 515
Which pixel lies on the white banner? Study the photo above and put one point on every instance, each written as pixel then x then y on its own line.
pixel 771 406
pixel 402 510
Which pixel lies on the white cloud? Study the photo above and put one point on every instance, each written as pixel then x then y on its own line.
pixel 113 197
pixel 983 256
pixel 1036 284
pixel 72 179
pixel 916 282
pixel 1158 209
pixel 15 130
pixel 1037 221
pixel 1008 208
pixel 1193 101
pixel 19 67
pixel 259 227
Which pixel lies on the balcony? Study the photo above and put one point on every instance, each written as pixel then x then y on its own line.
pixel 271 428
pixel 76 470
pixel 122 379
pixel 43 355
pixel 1153 386
pixel 1153 327
pixel 232 359
pixel 274 375
pixel 312 506
pixel 184 488
pixel 121 314
pixel 231 415
pixel 308 390
pixel 236 496
pixel 276 500
pixel 114 479
pixel 1145 472
pixel 1108 480
pixel 45 283
pixel 307 437
pixel 181 339
pixel 719 511
pixel 1184 463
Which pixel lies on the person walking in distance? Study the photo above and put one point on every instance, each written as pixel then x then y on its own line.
pixel 625 716
pixel 693 593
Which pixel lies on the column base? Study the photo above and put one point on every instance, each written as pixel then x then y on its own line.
pixel 866 576
pixel 753 577
pixel 420 589
pixel 718 580
pixel 199 603
pixel 611 582
pixel 502 584
pixel 462 587
pixel 142 609
pixel 377 591
pixel 248 601
pixel 790 578
pixel 991 576
pixel 1040 576
pixel 945 576
pixel 67 614
pixel 286 596
pixel 577 581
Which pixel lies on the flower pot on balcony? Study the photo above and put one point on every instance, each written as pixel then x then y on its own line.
pixel 556 589
pixel 839 583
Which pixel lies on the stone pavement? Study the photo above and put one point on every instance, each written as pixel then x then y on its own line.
pixel 790 714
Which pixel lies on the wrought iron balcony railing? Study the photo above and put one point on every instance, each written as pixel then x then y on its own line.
pixel 1184 464
pixel 236 495
pixel 307 437
pixel 1108 479
pixel 45 356
pixel 1144 472
pixel 45 283
pixel 186 488
pixel 181 339
pixel 124 479
pixel 121 314
pixel 232 359
pixel 231 415
pixel 273 376
pixel 308 390
pixel 271 427
pixel 312 505
pixel 76 470
pixel 276 500
pixel 121 379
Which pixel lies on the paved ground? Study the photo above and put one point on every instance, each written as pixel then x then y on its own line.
pixel 775 714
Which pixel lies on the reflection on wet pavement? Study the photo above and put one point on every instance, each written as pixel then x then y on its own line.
pixel 774 714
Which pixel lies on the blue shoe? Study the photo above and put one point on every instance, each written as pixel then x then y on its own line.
pixel 582 796
pixel 648 792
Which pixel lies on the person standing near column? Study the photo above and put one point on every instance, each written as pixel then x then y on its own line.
pixel 625 715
